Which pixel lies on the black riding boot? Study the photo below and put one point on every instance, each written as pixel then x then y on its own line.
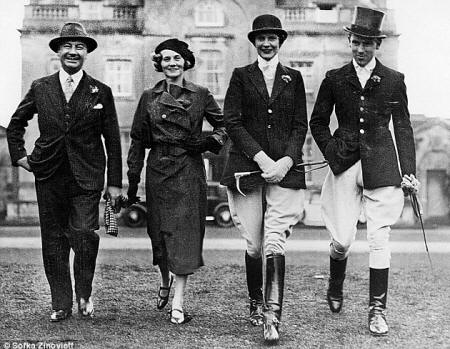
pixel 335 295
pixel 275 266
pixel 377 302
pixel 253 268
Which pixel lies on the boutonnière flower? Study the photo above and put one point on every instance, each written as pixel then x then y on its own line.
pixel 375 78
pixel 286 78
pixel 94 89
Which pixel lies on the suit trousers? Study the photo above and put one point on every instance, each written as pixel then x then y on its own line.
pixel 343 197
pixel 266 220
pixel 68 217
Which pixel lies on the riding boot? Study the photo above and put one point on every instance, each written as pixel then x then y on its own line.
pixel 274 287
pixel 377 301
pixel 253 268
pixel 335 295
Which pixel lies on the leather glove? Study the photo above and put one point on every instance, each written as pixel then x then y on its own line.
pixel 264 162
pixel 200 145
pixel 410 185
pixel 132 190
pixel 279 170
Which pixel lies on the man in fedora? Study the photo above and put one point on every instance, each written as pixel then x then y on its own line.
pixel 265 117
pixel 364 162
pixel 68 161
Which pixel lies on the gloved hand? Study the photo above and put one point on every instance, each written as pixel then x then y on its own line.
pixel 279 170
pixel 410 185
pixel 264 162
pixel 200 145
pixel 132 190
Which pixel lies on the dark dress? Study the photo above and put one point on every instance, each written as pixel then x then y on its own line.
pixel 175 177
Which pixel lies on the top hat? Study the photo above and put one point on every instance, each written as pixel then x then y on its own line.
pixel 180 47
pixel 73 31
pixel 366 23
pixel 267 23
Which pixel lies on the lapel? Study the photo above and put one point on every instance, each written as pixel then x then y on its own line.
pixel 84 98
pixel 256 77
pixel 351 77
pixel 377 71
pixel 168 100
pixel 279 84
pixel 57 99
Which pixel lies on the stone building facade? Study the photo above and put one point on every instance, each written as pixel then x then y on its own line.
pixel 127 32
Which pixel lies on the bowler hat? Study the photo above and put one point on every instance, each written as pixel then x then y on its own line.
pixel 366 23
pixel 73 31
pixel 180 47
pixel 267 24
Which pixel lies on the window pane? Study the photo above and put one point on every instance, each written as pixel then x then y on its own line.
pixel 118 75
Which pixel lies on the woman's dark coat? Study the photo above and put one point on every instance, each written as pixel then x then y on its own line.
pixel 175 177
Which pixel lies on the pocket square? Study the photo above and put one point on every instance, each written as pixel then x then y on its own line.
pixel 98 106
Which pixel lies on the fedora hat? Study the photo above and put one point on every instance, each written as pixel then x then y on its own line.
pixel 366 23
pixel 267 24
pixel 73 31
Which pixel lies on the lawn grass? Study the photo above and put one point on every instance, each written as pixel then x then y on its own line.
pixel 126 317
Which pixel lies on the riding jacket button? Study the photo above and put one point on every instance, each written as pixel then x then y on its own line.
pixel 361 109
pixel 164 116
pixel 361 120
pixel 269 111
pixel 269 126
pixel 361 131
pixel 362 98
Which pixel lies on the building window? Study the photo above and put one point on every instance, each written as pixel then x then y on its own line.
pixel 209 13
pixel 211 71
pixel 327 13
pixel 119 76
pixel 54 65
pixel 91 10
pixel 306 68
pixel 294 14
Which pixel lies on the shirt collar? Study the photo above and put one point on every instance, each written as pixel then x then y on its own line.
pixel 369 66
pixel 271 64
pixel 63 75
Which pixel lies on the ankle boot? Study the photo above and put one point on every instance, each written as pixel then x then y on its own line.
pixel 274 288
pixel 335 296
pixel 377 301
pixel 253 268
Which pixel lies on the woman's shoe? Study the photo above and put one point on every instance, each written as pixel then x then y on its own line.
pixel 163 300
pixel 179 317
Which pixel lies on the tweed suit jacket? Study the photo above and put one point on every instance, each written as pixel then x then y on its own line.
pixel 254 122
pixel 363 116
pixel 71 131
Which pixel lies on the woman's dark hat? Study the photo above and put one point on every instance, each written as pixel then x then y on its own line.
pixel 366 23
pixel 73 31
pixel 267 24
pixel 180 47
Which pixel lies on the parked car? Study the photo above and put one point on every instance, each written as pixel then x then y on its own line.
pixel 218 209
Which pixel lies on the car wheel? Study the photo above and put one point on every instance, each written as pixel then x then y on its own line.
pixel 222 215
pixel 135 216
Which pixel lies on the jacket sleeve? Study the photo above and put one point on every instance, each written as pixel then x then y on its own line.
pixel 19 121
pixel 300 123
pixel 233 115
pixel 402 129
pixel 111 134
pixel 214 115
pixel 136 153
pixel 320 117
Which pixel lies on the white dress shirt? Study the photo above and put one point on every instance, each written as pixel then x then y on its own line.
pixel 364 73
pixel 268 69
pixel 75 77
